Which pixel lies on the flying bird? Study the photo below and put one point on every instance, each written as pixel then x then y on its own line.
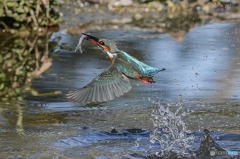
pixel 115 81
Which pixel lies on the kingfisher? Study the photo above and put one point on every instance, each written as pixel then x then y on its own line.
pixel 115 81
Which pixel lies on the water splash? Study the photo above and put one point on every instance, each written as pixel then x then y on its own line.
pixel 170 132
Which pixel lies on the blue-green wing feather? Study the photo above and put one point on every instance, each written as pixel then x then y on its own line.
pixel 106 86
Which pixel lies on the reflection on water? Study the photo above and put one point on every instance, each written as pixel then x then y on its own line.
pixel 201 70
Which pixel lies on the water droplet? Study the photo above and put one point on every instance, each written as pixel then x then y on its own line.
pixel 170 131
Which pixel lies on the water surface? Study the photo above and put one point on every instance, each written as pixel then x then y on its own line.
pixel 202 76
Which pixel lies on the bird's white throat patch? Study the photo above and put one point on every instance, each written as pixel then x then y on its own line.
pixel 111 55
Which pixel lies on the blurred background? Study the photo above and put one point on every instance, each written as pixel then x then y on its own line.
pixel 196 41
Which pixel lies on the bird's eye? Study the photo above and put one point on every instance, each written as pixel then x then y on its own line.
pixel 101 42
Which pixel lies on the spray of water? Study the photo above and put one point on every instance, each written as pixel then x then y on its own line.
pixel 170 132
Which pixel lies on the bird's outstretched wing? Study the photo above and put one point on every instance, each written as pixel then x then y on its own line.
pixel 106 86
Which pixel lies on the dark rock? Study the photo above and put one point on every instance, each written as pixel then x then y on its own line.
pixel 114 130
pixel 135 130
pixel 208 146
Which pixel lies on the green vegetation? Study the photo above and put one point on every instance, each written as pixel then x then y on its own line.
pixel 24 56
pixel 21 14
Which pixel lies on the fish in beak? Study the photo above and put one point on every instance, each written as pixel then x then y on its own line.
pixel 94 40
pixel 87 37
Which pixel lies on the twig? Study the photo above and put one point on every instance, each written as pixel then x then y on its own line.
pixel 34 18
pixel 37 8
pixel 33 44
pixel 4 25
pixel 46 4
pixel 5 6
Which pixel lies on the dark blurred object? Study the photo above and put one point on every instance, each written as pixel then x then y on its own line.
pixel 208 147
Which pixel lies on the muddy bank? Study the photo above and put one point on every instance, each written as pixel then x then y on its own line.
pixel 176 18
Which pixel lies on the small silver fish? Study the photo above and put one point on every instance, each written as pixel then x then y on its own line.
pixel 80 42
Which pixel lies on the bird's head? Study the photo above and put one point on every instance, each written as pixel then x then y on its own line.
pixel 107 46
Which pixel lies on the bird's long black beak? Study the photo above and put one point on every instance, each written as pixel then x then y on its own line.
pixel 87 37
pixel 90 37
